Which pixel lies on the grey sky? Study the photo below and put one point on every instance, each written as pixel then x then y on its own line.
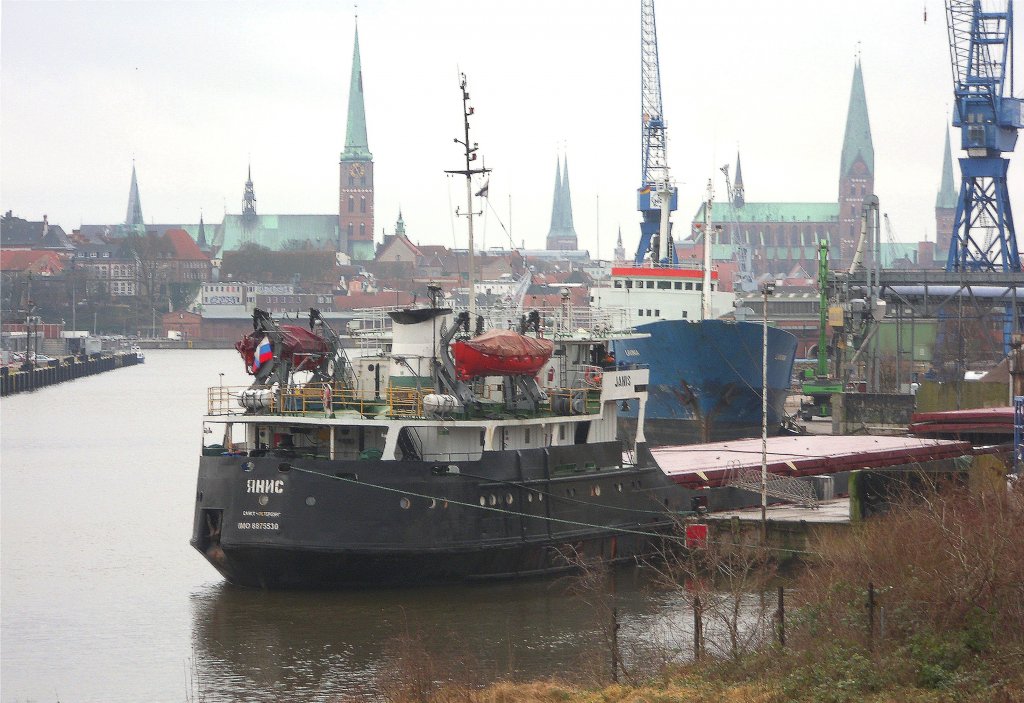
pixel 191 89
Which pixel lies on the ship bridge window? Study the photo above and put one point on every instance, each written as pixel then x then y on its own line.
pixel 618 284
pixel 689 285
pixel 629 284
pixel 650 284
pixel 657 313
pixel 698 286
pixel 678 285
pixel 664 285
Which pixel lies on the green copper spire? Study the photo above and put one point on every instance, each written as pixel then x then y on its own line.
pixel 857 141
pixel 947 189
pixel 556 204
pixel 566 202
pixel 356 145
pixel 134 216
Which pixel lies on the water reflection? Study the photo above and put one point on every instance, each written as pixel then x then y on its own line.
pixel 265 645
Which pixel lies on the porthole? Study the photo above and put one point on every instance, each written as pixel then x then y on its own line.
pixel 529 497
pixel 508 499
pixel 483 500
pixel 493 500
pixel 618 487
pixel 444 505
pixel 433 503
pixel 595 491
pixel 405 503
pixel 263 499
pixel 540 497
pixel 311 501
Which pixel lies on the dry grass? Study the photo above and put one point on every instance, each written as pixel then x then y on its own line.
pixel 948 569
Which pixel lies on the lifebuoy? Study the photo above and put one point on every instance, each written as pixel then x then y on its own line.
pixel 592 376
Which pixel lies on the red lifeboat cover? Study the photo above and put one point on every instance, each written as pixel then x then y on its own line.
pixel 300 347
pixel 501 353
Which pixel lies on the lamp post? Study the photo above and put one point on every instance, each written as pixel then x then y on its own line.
pixel 767 289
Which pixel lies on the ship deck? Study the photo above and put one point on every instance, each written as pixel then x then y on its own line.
pixel 710 465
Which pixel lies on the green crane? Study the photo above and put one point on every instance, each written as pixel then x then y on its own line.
pixel 820 386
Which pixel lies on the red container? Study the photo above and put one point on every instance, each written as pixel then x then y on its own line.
pixel 696 536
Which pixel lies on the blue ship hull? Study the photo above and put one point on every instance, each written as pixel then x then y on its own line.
pixel 705 383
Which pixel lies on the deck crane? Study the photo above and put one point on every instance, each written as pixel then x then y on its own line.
pixel 981 53
pixel 818 384
pixel 656 196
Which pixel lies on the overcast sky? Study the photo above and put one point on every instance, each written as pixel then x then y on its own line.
pixel 193 90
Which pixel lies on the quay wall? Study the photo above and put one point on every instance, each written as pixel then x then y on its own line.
pixel 67 369
pixel 870 413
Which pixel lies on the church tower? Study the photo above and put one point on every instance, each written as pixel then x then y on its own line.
pixel 249 217
pixel 738 197
pixel 856 170
pixel 355 203
pixel 133 220
pixel 945 208
pixel 562 234
pixel 620 251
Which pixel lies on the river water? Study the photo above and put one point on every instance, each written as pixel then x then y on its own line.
pixel 103 599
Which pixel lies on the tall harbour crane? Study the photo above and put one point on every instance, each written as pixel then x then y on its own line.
pixel 981 53
pixel 656 196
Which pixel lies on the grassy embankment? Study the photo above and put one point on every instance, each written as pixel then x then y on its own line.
pixel 947 571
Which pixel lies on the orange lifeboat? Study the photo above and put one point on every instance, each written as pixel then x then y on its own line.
pixel 501 353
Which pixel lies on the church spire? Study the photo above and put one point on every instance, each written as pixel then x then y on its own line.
pixel 856 170
pixel 249 202
pixel 134 216
pixel 356 145
pixel 556 203
pixel 857 139
pixel 947 196
pixel 738 198
pixel 562 235
pixel 201 237
pixel 566 204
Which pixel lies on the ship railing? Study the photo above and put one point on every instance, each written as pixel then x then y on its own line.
pixel 324 400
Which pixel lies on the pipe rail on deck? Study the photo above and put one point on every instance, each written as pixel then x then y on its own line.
pixel 395 402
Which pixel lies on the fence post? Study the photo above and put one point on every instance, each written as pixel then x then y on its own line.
pixel 782 618
pixel 615 645
pixel 871 615
pixel 698 634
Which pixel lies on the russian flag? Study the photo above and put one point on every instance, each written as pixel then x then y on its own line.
pixel 264 353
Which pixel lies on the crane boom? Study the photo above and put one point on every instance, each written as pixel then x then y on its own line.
pixel 656 196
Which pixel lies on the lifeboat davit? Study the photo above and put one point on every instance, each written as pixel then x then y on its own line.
pixel 301 348
pixel 501 353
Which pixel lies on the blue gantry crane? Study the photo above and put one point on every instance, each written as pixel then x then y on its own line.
pixel 981 52
pixel 656 197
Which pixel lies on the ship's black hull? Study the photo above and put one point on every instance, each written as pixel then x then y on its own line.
pixel 510 514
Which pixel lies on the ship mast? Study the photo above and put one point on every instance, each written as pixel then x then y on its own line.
pixel 470 153
pixel 705 292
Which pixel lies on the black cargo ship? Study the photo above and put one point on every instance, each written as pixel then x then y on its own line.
pixel 406 466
